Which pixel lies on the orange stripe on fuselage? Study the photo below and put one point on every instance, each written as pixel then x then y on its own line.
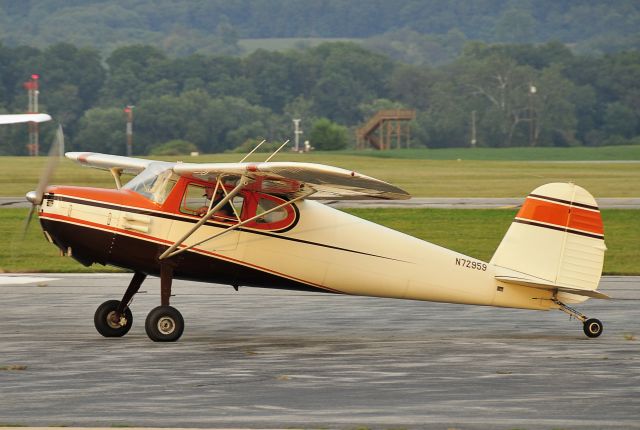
pixel 561 215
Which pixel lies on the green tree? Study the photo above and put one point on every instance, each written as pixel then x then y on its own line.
pixel 133 71
pixel 516 25
pixel 174 147
pixel 349 75
pixel 103 130
pixel 620 119
pixel 328 136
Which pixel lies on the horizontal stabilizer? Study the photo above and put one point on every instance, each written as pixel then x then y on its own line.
pixel 547 286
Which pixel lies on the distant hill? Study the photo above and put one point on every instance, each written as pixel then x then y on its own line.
pixel 183 27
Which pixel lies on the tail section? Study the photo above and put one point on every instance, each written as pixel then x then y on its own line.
pixel 556 241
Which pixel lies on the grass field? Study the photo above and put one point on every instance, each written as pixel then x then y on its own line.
pixel 508 174
pixel 286 43
pixel 476 233
pixel 580 153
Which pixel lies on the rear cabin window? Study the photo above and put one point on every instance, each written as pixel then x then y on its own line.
pixel 258 205
pixel 265 205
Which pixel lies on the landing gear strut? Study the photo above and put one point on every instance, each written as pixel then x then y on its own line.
pixel 592 327
pixel 164 323
pixel 113 318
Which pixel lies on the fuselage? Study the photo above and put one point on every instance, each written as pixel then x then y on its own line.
pixel 310 247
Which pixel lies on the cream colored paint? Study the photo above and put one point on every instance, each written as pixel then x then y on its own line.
pixel 360 257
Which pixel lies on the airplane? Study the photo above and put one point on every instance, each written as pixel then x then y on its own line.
pixel 281 235
pixel 23 117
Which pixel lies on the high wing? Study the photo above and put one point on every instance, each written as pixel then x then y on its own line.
pixel 108 162
pixel 289 179
pixel 25 117
pixel 294 179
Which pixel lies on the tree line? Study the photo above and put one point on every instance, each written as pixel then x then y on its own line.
pixel 499 95
pixel 183 27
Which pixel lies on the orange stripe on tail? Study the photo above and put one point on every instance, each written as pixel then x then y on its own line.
pixel 561 215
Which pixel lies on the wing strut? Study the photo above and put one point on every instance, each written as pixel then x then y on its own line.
pixel 253 150
pixel 276 151
pixel 116 173
pixel 171 252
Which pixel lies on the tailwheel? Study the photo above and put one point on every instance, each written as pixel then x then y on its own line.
pixel 109 323
pixel 592 327
pixel 164 324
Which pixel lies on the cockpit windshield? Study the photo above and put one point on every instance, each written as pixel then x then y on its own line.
pixel 155 182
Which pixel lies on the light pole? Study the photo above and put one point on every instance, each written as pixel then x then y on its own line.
pixel 473 129
pixel 532 92
pixel 129 111
pixel 297 132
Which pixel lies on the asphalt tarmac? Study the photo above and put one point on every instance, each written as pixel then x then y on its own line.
pixel 272 359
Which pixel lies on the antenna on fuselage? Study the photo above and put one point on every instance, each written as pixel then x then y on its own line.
pixel 276 151
pixel 253 150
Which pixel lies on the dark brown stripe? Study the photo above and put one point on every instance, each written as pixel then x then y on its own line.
pixel 91 245
pixel 566 202
pixel 558 228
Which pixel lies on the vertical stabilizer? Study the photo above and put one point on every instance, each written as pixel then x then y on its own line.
pixel 557 238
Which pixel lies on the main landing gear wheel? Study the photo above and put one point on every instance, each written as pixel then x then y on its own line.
pixel 106 323
pixel 164 324
pixel 592 327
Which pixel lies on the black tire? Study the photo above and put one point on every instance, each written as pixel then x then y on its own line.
pixel 592 327
pixel 164 324
pixel 104 324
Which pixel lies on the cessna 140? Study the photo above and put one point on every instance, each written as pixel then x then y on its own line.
pixel 277 235
pixel 24 117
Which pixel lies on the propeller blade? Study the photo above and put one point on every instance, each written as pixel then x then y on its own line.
pixel 50 167
pixel 27 221
pixel 36 197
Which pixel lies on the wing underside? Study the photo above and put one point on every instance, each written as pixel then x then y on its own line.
pixel 294 179
pixel 289 179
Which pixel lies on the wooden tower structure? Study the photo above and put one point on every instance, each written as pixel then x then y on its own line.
pixel 386 129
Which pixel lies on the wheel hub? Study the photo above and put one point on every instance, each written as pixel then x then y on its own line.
pixel 115 322
pixel 166 325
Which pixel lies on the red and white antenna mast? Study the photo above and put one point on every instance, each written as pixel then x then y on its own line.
pixel 32 90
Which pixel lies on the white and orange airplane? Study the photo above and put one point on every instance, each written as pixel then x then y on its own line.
pixel 23 117
pixel 275 234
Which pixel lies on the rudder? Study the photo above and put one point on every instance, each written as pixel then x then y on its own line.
pixel 557 238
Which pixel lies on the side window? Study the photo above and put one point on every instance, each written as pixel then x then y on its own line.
pixel 263 206
pixel 162 192
pixel 194 199
pixel 237 202
pixel 196 202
